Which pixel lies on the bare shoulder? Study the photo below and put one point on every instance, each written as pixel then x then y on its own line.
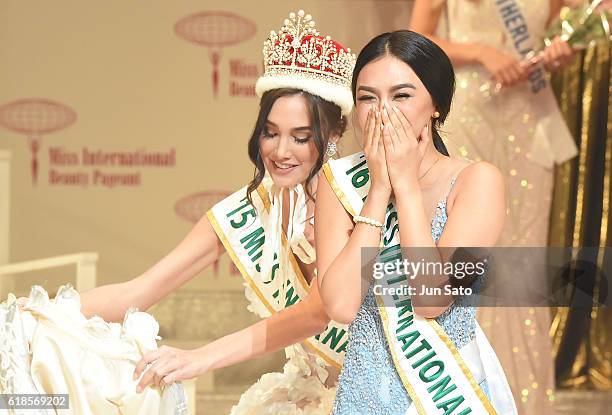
pixel 480 173
pixel 478 178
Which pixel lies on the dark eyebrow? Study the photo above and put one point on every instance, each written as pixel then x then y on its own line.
pixel 306 128
pixel 368 88
pixel 400 86
pixel 393 88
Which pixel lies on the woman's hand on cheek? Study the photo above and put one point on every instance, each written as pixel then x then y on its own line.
pixel 374 151
pixel 404 151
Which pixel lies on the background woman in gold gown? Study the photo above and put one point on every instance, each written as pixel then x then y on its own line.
pixel 496 118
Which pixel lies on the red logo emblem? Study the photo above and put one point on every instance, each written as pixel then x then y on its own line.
pixel 35 117
pixel 215 30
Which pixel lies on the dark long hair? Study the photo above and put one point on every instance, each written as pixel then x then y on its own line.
pixel 427 60
pixel 325 118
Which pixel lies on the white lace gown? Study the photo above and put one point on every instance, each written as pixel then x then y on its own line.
pixel 300 389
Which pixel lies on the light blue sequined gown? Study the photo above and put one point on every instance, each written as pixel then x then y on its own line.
pixel 369 383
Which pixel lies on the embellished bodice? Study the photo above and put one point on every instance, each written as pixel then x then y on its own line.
pixel 369 382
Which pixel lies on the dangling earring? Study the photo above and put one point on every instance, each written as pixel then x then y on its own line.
pixel 331 149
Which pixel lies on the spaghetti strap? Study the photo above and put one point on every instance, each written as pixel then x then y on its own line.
pixel 454 179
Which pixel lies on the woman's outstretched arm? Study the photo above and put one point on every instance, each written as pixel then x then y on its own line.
pixel 291 325
pixel 200 248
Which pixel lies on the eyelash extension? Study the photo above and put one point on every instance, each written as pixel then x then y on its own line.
pixel 370 98
pixel 267 134
pixel 301 140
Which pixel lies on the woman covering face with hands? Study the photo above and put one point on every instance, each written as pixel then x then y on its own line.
pixel 393 148
pixel 404 197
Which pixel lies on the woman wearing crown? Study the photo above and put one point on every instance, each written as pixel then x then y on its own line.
pixel 267 229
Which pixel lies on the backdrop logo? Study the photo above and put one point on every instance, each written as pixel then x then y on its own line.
pixel 192 207
pixel 35 117
pixel 215 30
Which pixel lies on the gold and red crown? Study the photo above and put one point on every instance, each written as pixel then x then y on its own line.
pixel 299 57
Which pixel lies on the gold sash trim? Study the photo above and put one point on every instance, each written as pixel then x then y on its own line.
pixel 331 343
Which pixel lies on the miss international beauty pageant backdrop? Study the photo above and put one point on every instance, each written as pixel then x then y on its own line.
pixel 124 121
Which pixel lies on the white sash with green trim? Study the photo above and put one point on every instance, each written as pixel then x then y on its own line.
pixel 439 378
pixel 239 227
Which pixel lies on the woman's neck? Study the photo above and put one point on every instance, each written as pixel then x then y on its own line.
pixel 432 164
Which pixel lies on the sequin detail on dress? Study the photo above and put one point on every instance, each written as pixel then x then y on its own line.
pixel 369 383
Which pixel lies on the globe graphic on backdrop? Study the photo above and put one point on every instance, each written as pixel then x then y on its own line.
pixel 35 117
pixel 215 30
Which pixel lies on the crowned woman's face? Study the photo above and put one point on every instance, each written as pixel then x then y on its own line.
pixel 390 81
pixel 286 144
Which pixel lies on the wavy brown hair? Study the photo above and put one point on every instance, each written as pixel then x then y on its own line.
pixel 325 118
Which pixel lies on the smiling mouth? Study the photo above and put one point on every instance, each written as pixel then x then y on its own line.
pixel 283 166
